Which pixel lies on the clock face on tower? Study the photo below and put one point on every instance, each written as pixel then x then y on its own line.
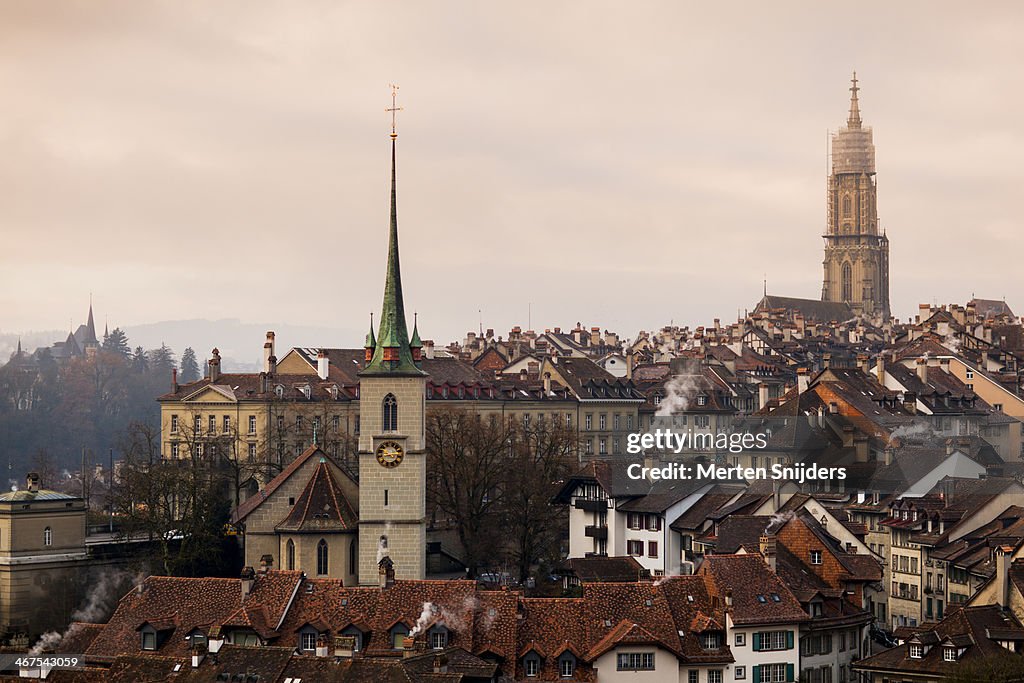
pixel 390 454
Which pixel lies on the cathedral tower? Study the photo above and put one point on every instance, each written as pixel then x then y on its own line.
pixel 392 457
pixel 856 254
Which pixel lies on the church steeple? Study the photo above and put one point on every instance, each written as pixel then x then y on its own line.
pixel 853 120
pixel 392 354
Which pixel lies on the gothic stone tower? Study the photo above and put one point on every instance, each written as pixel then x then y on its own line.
pixel 392 458
pixel 856 255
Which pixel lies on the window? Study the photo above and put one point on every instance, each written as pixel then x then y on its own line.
pixel 602 446
pixel 252 424
pixel 174 424
pixel 308 641
pixel 212 424
pixel 774 673
pixel 588 420
pixel 970 374
pixel 635 548
pixel 390 413
pixel 654 522
pixel 916 651
pixel 629 422
pixel 289 555
pixel 715 675
pixel 773 640
pixel 174 449
pixel 531 664
pixel 616 421
pixel 197 424
pixel 321 558
pixel 602 421
pixel 633 520
pixel 636 661
pixel 711 640
pixel 148 640
pixel 652 549
pixel 692 676
pixel 252 452
pixel 949 654
pixel 847 282
pixel 741 639
pixel 438 638
pixel 588 446
pixel 815 557
pixel 298 422
pixel 741 673
pixel 846 206
pixel 227 424
pixel 566 665
pixel 47 537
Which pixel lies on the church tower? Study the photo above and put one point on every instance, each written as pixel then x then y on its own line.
pixel 392 448
pixel 856 254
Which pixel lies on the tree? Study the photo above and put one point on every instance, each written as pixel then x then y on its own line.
pixel 117 342
pixel 467 464
pixel 180 505
pixel 543 455
pixel 161 361
pixel 1004 668
pixel 189 367
pixel 140 363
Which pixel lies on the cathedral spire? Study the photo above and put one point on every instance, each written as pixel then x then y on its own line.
pixel 392 354
pixel 854 119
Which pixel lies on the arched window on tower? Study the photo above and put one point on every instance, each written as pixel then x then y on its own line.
pixel 47 537
pixel 847 206
pixel 289 555
pixel 321 558
pixel 390 413
pixel 847 281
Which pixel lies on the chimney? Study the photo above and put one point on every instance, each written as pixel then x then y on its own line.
pixel 833 408
pixel 728 598
pixel 323 364
pixel 1004 557
pixel 266 563
pixel 862 362
pixel 428 348
pixel 321 646
pixel 32 482
pixel 802 380
pixel 922 370
pixel 248 578
pixel 198 656
pixel 272 365
pixel 263 382
pixel 440 663
pixel 408 643
pixel 880 368
pixel 826 360
pixel 215 642
pixel 630 362
pixel 386 572
pixel 768 550
pixel 595 336
pixel 174 380
pixel 762 394
pixel 547 383
pixel 268 351
pixel 215 366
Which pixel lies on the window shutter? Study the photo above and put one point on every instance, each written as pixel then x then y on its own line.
pixel 757 645
pixel 789 644
pixel 756 670
pixel 789 672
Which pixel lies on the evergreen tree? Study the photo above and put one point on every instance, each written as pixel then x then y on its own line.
pixel 117 342
pixel 140 363
pixel 189 367
pixel 162 361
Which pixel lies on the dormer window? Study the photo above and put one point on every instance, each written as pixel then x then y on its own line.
pixel 399 632
pixel 916 651
pixel 438 636
pixel 949 654
pixel 567 665
pixel 702 400
pixel 306 391
pixel 815 557
pixel 531 664
pixel 148 639
pixel 279 391
pixel 711 640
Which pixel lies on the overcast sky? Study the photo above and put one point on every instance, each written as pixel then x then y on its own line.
pixel 617 164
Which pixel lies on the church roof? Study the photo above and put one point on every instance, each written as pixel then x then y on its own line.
pixel 321 506
pixel 810 309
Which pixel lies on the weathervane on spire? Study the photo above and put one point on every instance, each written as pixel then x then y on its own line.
pixel 394 109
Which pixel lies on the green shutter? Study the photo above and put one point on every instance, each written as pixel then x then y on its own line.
pixel 756 670
pixel 789 644
pixel 789 672
pixel 757 644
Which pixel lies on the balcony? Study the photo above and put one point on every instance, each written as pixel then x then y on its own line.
pixel 599 533
pixel 591 504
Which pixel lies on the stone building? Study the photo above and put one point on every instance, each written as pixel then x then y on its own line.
pixel 856 265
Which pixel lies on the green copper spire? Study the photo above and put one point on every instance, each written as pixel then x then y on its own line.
pixel 392 355
pixel 415 342
pixel 370 340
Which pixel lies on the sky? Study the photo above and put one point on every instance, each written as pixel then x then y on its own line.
pixel 617 164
